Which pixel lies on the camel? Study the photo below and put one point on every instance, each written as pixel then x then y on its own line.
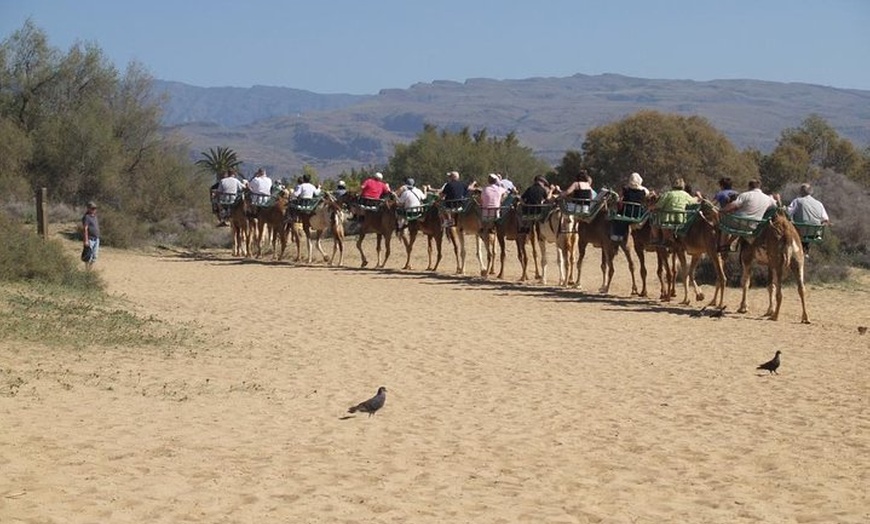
pixel 380 220
pixel 557 228
pixel 696 237
pixel 429 223
pixel 234 208
pixel 271 216
pixel 316 218
pixel 464 220
pixel 508 227
pixel 595 229
pixel 641 237
pixel 778 246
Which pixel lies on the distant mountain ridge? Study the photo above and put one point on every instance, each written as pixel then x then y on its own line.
pixel 284 129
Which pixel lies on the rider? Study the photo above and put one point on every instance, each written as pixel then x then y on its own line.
pixel 491 198
pixel 672 205
pixel 374 187
pixel 454 195
pixel 227 192
pixel 261 184
pixel 580 193
pixel 305 191
pixel 751 204
pixel 726 192
pixel 633 193
pixel 536 195
pixel 409 196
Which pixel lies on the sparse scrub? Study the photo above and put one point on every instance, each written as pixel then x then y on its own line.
pixel 54 314
pixel 25 256
pixel 49 298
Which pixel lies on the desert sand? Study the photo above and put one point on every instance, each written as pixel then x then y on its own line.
pixel 506 402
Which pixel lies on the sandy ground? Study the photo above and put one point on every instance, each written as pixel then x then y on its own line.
pixel 507 403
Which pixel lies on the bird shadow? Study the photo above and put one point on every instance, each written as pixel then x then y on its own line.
pixel 346 417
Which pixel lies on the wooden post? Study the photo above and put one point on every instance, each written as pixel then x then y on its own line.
pixel 41 212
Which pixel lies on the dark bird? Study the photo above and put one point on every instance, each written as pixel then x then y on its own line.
pixel 771 364
pixel 862 330
pixel 717 313
pixel 373 404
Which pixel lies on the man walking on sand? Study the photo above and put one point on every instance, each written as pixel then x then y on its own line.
pixel 90 235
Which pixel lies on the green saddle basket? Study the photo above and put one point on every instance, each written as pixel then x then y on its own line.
pixel 744 227
pixel 631 212
pixel 810 233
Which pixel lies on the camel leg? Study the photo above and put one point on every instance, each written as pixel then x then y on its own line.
pixel 479 244
pixel 338 244
pixel 439 244
pixel 523 257
pixel 534 242
pixel 641 261
pixel 797 266
pixel 542 246
pixel 502 253
pixel 773 289
pixel 362 255
pixel 719 267
pixel 378 239
pixel 308 241
pixel 663 270
pixel 318 243
pixel 746 273
pixel 387 240
pixel 630 259
pixel 693 266
pixel 461 264
pixel 607 257
pixel 408 242
pixel 581 254
pixel 681 273
pixel 453 236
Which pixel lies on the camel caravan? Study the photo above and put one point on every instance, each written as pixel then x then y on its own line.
pixel 678 228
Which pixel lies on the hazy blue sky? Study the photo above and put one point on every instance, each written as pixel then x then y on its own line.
pixel 360 47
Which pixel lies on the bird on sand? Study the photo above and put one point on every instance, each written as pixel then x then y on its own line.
pixel 373 404
pixel 771 364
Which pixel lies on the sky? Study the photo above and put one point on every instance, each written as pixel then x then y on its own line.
pixel 361 47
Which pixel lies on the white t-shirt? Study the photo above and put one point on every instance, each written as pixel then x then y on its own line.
pixel 306 190
pixel 260 185
pixel 753 204
pixel 230 185
pixel 411 197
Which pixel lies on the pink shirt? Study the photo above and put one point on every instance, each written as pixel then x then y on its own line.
pixel 490 196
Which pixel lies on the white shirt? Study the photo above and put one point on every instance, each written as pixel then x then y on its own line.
pixel 411 197
pixel 306 190
pixel 808 210
pixel 230 185
pixel 753 204
pixel 260 185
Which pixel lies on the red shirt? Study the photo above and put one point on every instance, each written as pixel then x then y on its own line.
pixel 373 188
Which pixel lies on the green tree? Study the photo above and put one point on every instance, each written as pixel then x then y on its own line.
pixel 566 172
pixel 803 152
pixel 432 154
pixel 71 122
pixel 219 160
pixel 662 147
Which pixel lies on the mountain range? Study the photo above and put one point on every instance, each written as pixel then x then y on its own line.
pixel 283 129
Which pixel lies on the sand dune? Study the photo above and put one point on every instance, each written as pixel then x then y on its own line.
pixel 507 403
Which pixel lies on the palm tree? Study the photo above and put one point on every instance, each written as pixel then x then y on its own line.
pixel 219 161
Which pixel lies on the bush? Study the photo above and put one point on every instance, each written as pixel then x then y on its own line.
pixel 25 256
